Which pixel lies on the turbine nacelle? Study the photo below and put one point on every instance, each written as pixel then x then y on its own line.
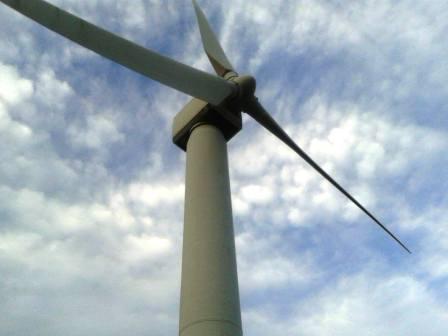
pixel 225 116
pixel 197 112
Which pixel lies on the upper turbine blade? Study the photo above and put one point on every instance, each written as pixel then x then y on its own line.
pixel 256 111
pixel 176 75
pixel 211 45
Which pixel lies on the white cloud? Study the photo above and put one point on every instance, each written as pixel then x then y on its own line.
pixel 51 90
pixel 397 305
pixel 98 132
pixel 155 194
pixel 257 194
pixel 13 88
pixel 369 304
pixel 11 129
pixel 145 247
pixel 263 265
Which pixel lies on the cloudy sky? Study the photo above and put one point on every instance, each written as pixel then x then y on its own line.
pixel 91 187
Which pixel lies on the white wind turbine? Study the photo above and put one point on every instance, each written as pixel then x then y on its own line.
pixel 209 303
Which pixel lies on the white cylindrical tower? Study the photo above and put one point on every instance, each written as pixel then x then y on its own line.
pixel 210 304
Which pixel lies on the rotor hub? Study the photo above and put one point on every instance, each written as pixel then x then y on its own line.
pixel 246 87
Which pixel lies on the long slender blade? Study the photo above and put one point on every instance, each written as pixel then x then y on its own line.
pixel 212 48
pixel 181 77
pixel 256 111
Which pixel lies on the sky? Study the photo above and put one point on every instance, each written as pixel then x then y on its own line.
pixel 92 188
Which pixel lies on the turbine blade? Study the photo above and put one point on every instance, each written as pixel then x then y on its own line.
pixel 211 44
pixel 256 111
pixel 169 72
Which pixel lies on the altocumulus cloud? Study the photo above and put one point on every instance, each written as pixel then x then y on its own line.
pixel 91 190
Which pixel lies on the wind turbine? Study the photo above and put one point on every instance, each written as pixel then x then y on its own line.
pixel 209 303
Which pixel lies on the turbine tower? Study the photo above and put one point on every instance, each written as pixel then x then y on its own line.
pixel 209 303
